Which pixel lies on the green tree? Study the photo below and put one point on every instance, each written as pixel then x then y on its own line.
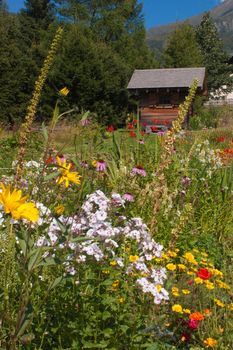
pixel 182 48
pixel 215 58
pixel 42 11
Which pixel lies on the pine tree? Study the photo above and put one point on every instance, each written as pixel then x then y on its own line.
pixel 42 11
pixel 182 48
pixel 215 58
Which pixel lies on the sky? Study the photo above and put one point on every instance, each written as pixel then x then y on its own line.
pixel 158 12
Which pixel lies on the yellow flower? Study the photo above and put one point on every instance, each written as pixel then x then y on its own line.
pixel 14 204
pixel 59 209
pixel 219 303
pixel 121 300
pixel 113 263
pixel 172 254
pixel 177 308
pixel 133 258
pixel 158 287
pixel 64 91
pixel 186 291
pixel 198 280
pixel 106 272
pixel 186 311
pixel 190 273
pixel 175 291
pixel 93 163
pixel 190 258
pixel 204 254
pixel 216 272
pixel 171 267
pixel 222 284
pixel 116 284
pixel 209 285
pixel 66 175
pixel 230 307
pixel 210 342
pixel 182 267
pixel 164 256
pixel 195 250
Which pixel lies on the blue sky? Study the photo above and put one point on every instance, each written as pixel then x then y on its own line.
pixel 158 12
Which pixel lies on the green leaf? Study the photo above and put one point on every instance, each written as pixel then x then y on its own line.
pixel 56 282
pixel 52 175
pixel 34 259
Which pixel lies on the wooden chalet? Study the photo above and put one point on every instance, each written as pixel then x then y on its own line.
pixel 161 91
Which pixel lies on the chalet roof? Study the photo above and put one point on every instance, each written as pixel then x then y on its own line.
pixel 166 78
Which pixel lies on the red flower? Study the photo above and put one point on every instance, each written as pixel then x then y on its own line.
pixel 132 134
pixel 220 139
pixel 135 122
pixel 110 128
pixel 193 324
pixel 154 128
pixel 142 133
pixel 130 126
pixel 204 274
pixel 190 282
pixel 144 124
pixel 49 160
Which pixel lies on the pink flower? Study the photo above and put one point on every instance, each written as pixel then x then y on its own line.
pixel 193 324
pixel 101 165
pixel 128 197
pixel 141 142
pixel 138 170
pixel 85 122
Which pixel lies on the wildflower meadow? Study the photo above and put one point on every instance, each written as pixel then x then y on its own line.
pixel 113 238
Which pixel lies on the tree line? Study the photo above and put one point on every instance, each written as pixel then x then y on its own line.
pixel 103 42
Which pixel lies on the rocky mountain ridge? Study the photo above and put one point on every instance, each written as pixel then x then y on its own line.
pixel 223 18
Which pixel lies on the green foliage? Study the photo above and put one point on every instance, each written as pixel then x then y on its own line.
pixel 204 117
pixel 215 58
pixel 104 43
pixel 182 48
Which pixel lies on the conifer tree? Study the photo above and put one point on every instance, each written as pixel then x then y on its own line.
pixel 182 48
pixel 215 58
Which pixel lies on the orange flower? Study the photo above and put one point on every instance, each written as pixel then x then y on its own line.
pixel 197 316
pixel 207 312
pixel 210 342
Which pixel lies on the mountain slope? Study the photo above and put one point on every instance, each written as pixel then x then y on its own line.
pixel 223 18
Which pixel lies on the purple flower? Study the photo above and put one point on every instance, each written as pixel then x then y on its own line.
pixel 101 165
pixel 186 181
pixel 138 170
pixel 128 197
pixel 84 164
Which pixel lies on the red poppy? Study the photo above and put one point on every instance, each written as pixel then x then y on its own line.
pixel 132 134
pixel 135 121
pixel 154 128
pixel 204 274
pixel 130 126
pixel 110 128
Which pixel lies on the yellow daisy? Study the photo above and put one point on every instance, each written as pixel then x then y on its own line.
pixel 15 205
